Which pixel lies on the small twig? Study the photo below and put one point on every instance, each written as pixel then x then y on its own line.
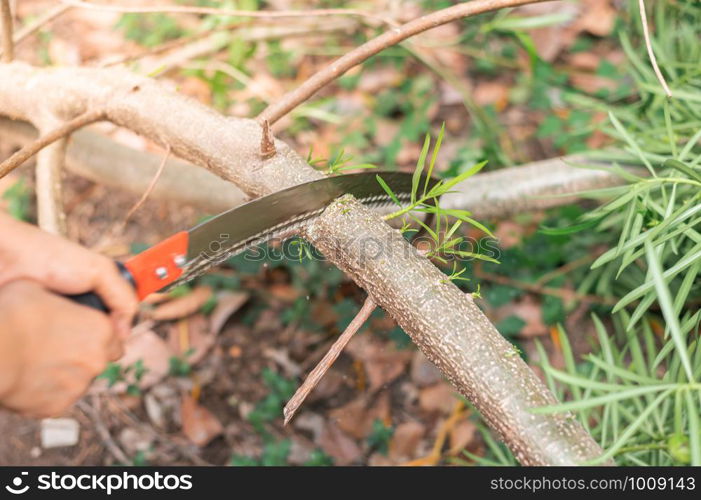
pixel 187 9
pixel 356 56
pixel 103 431
pixel 320 370
pixel 41 21
pixel 109 237
pixel 150 187
pixel 648 44
pixel 8 46
pixel 30 150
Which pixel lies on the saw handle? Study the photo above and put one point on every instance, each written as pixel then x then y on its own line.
pixel 148 272
pixel 93 300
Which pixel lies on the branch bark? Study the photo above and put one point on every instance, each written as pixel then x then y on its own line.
pixel 444 323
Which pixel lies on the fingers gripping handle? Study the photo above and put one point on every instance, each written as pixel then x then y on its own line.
pixel 93 300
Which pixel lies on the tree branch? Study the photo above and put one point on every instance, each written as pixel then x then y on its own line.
pixel 329 358
pixel 8 46
pixel 100 159
pixel 41 21
pixel 498 194
pixel 186 9
pixel 356 56
pixel 63 130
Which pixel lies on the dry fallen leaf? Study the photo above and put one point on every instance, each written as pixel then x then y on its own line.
pixel 338 445
pixel 227 304
pixel 284 292
pixel 405 441
pixel 462 435
pixel 492 92
pixel 439 398
pixel 529 310
pixel 200 425
pixel 153 352
pixel 191 336
pixel 423 372
pixel 356 418
pixel 598 18
pixel 383 362
pixel 182 306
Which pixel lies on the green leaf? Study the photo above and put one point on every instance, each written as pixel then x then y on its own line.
pixel 600 400
pixel 575 228
pixel 445 186
pixel 434 155
pixel 419 168
pixel 681 167
pixel 694 427
pixel 631 142
pixel 633 427
pixel 665 300
pixel 388 190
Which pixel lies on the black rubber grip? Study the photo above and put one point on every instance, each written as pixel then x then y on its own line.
pixel 93 300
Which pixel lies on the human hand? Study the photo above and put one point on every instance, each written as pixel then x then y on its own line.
pixel 50 349
pixel 27 252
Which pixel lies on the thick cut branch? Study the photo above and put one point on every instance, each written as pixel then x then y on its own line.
pixel 538 185
pixel 356 56
pixel 441 319
pixel 453 333
pixel 497 194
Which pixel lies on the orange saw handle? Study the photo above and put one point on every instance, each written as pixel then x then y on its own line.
pixel 148 272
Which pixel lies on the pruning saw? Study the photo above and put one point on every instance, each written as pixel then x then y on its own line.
pixel 188 254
